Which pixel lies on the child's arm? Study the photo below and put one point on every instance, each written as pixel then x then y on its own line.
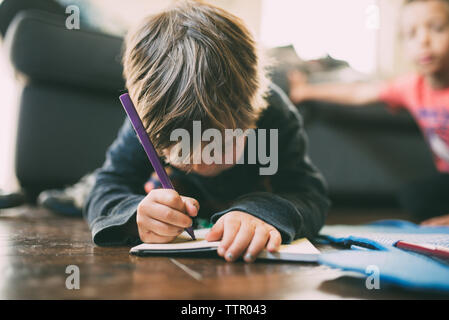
pixel 117 210
pixel 295 207
pixel 351 94
pixel 110 208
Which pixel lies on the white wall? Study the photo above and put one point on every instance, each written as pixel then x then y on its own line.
pixel 8 120
pixel 345 29
pixel 392 61
pixel 128 12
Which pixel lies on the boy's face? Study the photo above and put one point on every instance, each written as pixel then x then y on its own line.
pixel 214 169
pixel 425 31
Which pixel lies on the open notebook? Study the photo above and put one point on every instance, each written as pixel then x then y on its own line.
pixel 298 250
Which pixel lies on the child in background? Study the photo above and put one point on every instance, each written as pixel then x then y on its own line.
pixel 196 62
pixel 425 94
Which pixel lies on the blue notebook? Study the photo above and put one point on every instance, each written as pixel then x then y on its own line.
pixel 403 268
pixel 385 233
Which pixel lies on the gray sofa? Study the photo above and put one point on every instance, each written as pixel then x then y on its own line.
pixel 69 110
pixel 70 113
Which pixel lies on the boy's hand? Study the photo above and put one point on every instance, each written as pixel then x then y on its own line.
pixel 241 233
pixel 162 215
pixel 437 221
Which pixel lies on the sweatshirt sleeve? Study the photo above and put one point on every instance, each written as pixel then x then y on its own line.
pixel 297 204
pixel 112 204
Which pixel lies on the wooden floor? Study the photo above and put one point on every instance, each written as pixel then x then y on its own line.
pixel 36 247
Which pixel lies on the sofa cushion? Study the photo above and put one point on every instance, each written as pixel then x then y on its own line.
pixel 63 133
pixel 375 115
pixel 43 49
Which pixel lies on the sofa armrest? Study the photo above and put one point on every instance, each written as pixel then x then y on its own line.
pixel 43 49
pixel 374 116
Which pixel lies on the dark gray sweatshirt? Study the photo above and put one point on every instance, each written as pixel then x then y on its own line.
pixel 293 199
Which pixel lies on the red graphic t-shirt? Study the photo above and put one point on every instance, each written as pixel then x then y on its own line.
pixel 429 107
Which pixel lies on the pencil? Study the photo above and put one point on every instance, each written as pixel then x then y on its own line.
pixel 148 147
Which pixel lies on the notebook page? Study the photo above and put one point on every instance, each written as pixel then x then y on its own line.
pixel 183 242
pixel 299 246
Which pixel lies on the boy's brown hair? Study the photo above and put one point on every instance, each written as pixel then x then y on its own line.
pixel 193 61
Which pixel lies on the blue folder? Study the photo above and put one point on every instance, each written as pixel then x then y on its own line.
pixel 403 268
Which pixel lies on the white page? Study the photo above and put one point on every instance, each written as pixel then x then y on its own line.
pixel 183 241
pixel 299 246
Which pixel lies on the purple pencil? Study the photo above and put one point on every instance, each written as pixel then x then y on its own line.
pixel 148 147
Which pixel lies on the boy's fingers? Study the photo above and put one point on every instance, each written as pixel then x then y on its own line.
pixel 167 197
pixel 216 232
pixel 257 244
pixel 275 241
pixel 151 237
pixel 168 215
pixel 240 243
pixel 191 205
pixel 161 228
pixel 231 227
